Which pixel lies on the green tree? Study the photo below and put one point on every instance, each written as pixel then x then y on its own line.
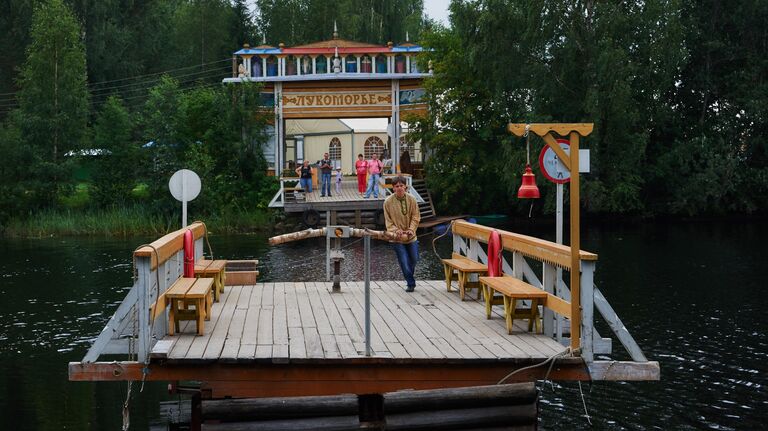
pixel 15 19
pixel 53 95
pixel 245 30
pixel 204 32
pixel 116 167
pixel 20 183
pixel 612 64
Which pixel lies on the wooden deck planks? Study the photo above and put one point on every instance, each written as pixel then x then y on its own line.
pixel 294 320
pixel 348 193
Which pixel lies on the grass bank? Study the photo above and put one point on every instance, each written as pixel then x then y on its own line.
pixel 136 220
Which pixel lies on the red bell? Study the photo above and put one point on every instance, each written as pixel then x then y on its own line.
pixel 528 190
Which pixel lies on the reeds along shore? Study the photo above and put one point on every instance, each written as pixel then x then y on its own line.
pixel 126 221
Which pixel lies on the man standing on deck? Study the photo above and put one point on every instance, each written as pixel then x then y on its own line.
pixel 402 216
pixel 326 167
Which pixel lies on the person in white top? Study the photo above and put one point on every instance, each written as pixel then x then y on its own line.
pixel 374 172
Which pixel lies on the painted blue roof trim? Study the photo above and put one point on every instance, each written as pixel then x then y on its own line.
pixel 253 51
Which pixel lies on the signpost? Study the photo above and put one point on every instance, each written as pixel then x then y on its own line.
pixel 185 186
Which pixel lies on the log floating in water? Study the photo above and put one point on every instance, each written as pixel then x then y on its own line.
pixel 279 408
pixel 331 423
pixel 314 233
pixel 462 398
pixel 478 417
pixel 507 407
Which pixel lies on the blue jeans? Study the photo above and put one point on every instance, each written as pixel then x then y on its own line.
pixel 373 185
pixel 407 256
pixel 306 184
pixel 325 187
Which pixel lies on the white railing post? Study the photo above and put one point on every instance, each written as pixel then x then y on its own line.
pixel 587 310
pixel 552 321
pixel 473 245
pixel 458 242
pixel 143 265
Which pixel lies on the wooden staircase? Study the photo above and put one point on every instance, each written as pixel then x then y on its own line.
pixel 426 208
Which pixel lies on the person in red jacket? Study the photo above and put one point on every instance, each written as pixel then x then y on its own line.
pixel 361 168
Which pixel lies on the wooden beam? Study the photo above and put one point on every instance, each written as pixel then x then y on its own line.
pixel 565 159
pixel 558 305
pixel 541 129
pixel 575 229
pixel 625 370
pixel 363 372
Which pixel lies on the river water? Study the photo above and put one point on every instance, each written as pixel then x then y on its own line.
pixel 692 295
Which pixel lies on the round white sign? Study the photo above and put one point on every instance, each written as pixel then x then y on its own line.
pixel 550 164
pixel 184 185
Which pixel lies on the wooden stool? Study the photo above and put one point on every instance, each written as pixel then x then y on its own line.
pixel 186 293
pixel 215 269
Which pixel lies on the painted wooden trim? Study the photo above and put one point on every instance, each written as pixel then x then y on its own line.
pixel 587 310
pixel 541 129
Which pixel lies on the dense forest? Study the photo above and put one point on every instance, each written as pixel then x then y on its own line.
pixel 102 100
pixel 677 89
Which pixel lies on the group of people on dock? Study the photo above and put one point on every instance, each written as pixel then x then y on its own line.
pixel 368 174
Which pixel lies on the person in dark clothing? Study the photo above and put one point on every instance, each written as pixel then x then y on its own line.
pixel 326 167
pixel 305 176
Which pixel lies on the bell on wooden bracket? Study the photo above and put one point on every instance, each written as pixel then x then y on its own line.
pixel 528 190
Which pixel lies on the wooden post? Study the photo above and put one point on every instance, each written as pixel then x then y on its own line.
pixel 575 245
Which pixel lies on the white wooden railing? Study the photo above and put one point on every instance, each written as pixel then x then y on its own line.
pixel 471 240
pixel 141 318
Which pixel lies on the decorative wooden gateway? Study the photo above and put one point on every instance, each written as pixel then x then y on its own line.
pixel 336 78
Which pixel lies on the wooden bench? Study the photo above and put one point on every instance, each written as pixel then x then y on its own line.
pixel 215 269
pixel 186 292
pixel 513 290
pixel 463 266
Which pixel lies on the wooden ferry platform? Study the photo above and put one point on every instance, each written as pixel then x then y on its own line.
pixel 291 338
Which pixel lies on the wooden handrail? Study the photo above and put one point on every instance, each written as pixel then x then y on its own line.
pixel 169 244
pixel 540 249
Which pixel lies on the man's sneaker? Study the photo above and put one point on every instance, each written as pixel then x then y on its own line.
pixel 410 288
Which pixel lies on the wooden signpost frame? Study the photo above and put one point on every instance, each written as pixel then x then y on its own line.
pixel 571 162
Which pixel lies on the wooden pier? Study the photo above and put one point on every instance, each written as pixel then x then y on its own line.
pixel 290 339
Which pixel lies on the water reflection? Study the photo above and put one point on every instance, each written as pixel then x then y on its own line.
pixel 691 294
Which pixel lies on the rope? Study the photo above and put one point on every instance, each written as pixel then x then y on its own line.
pixel 434 249
pixel 584 403
pixel 126 408
pixel 551 358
